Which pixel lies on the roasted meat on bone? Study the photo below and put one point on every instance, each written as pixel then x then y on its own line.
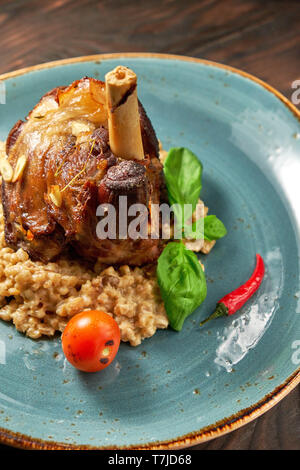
pixel 84 145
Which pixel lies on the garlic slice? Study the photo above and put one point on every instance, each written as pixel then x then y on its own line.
pixel 19 169
pixel 55 195
pixel 79 127
pixel 6 169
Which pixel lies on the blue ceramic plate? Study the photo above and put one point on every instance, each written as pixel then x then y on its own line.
pixel 177 389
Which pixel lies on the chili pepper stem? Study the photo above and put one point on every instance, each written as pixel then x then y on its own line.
pixel 221 311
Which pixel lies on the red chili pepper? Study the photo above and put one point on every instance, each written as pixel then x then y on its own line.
pixel 232 302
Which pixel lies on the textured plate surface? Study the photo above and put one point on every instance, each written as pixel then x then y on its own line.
pixel 175 387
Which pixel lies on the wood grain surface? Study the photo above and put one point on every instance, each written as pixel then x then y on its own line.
pixel 261 37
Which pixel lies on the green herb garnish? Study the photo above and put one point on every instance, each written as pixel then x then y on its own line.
pixel 213 228
pixel 180 276
pixel 182 282
pixel 183 175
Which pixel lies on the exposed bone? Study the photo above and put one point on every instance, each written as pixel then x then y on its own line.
pixel 124 127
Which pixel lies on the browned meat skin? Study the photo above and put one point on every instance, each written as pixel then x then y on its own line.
pixel 127 178
pixel 150 142
pixel 87 174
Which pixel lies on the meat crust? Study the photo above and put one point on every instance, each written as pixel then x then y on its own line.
pixel 65 141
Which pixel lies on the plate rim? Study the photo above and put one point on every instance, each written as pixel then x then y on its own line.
pixel 219 428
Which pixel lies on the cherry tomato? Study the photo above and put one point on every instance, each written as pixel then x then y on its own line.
pixel 91 340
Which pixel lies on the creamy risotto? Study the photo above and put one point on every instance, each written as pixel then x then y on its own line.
pixel 40 298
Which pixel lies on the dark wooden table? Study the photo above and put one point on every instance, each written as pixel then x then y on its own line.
pixel 261 37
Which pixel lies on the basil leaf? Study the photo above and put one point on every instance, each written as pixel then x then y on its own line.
pixel 182 282
pixel 183 176
pixel 208 228
pixel 213 228
pixel 195 231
